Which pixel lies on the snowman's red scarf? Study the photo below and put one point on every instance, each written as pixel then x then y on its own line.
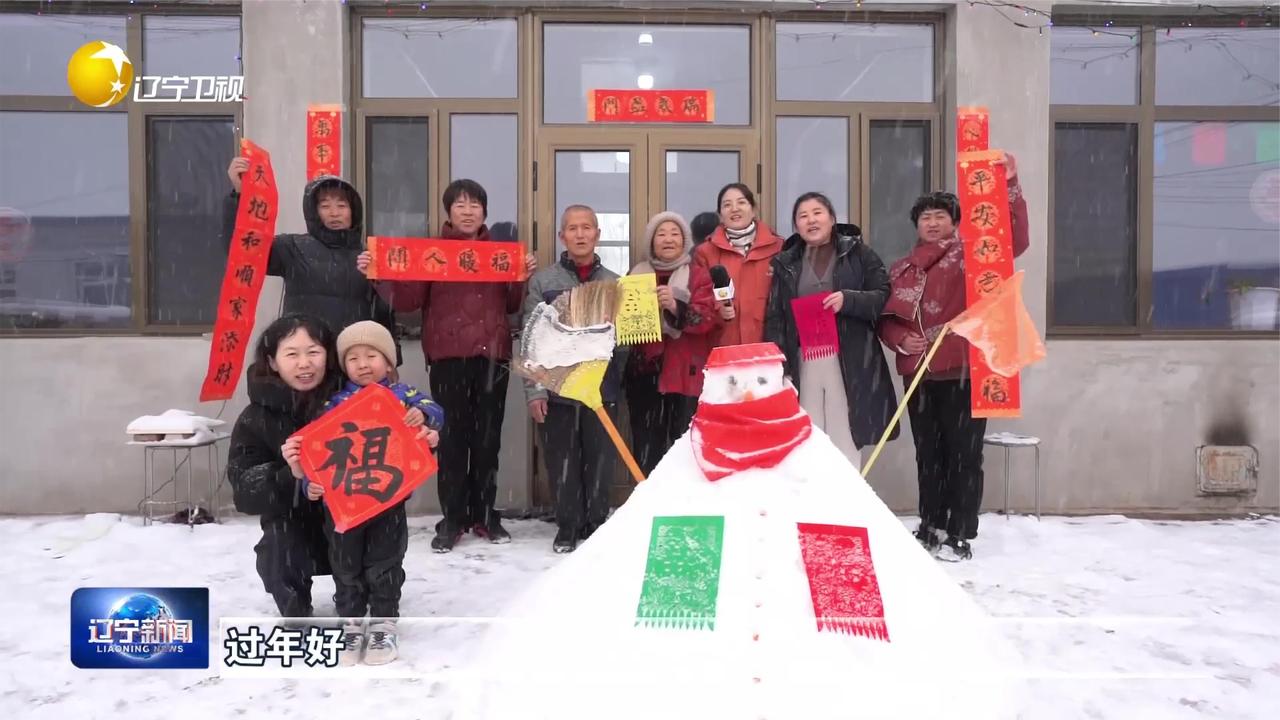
pixel 752 434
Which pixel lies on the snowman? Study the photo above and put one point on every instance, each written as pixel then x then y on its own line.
pixel 754 574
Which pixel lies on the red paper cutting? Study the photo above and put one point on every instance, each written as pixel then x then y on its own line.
pixel 651 106
pixel 842 580
pixel 255 229
pixel 324 141
pixel 366 457
pixel 973 129
pixel 445 260
pixel 816 326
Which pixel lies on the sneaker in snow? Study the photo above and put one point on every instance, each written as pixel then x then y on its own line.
pixel 446 537
pixel 954 550
pixel 382 647
pixel 566 540
pixel 352 644
pixel 493 530
pixel 928 538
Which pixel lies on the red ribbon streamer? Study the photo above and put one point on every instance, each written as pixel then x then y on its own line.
pixel 445 260
pixel 255 230
pixel 366 457
pixel 651 106
pixel 324 141
pixel 842 580
pixel 816 326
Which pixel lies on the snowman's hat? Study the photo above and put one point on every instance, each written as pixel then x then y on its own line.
pixel 751 354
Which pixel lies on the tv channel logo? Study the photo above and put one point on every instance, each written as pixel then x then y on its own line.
pixel 140 628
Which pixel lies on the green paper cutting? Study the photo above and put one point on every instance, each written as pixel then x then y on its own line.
pixel 682 574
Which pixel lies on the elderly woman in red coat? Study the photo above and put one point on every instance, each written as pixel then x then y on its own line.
pixel 928 290
pixel 664 379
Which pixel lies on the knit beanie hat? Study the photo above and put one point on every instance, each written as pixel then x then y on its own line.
pixel 652 228
pixel 367 332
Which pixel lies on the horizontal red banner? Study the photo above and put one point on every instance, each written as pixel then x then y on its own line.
pixel 445 260
pixel 651 106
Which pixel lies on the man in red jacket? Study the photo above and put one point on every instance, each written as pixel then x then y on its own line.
pixel 927 291
pixel 467 343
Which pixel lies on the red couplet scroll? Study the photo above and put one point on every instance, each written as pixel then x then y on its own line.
pixel 255 229
pixel 986 229
pixel 651 106
pixel 324 141
pixel 365 456
pixel 445 260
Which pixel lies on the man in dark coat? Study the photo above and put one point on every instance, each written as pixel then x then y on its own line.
pixel 319 268
pixel 867 382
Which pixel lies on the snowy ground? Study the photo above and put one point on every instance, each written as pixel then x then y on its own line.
pixel 1115 618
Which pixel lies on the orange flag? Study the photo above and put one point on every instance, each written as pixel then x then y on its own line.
pixel 999 326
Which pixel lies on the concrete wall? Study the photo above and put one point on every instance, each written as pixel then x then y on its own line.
pixel 1120 419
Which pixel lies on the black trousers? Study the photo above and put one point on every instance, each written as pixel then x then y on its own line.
pixel 657 419
pixel 473 393
pixel 948 456
pixel 368 565
pixel 292 550
pixel 580 462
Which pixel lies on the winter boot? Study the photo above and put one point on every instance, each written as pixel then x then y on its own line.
pixel 492 530
pixel 955 550
pixel 383 646
pixel 447 535
pixel 566 540
pixel 928 538
pixel 352 643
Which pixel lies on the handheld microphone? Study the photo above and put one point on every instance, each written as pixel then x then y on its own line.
pixel 723 284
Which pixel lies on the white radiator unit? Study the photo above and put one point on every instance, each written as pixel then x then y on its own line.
pixel 1227 469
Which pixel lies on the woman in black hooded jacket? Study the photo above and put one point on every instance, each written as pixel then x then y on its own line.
pixel 294 371
pixel 319 268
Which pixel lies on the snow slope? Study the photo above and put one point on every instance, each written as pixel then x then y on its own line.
pixel 1114 618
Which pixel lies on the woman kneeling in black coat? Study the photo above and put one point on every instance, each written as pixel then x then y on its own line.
pixel 294 371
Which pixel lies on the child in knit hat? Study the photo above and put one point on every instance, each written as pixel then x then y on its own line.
pixel 368 561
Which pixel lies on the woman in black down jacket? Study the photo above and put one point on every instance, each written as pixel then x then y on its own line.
pixel 294 371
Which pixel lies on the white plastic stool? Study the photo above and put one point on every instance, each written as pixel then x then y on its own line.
pixel 1008 441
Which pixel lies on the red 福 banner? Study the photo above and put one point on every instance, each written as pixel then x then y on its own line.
pixel 986 229
pixel 445 260
pixel 651 106
pixel 973 129
pixel 324 141
pixel 255 229
pixel 365 456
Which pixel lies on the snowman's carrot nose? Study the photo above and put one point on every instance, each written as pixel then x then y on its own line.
pixel 747 395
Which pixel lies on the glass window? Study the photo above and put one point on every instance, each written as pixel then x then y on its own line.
pixel 191 45
pixel 813 154
pixel 34 49
pixel 186 184
pixel 601 180
pixel 1216 259
pixel 484 148
pixel 1095 225
pixel 1093 68
pixel 855 62
pixel 579 57
pixel 64 220
pixel 694 177
pixel 1217 66
pixel 898 175
pixel 439 58
pixel 398 201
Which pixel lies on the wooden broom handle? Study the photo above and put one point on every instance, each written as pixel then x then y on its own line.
pixel 622 447
pixel 924 367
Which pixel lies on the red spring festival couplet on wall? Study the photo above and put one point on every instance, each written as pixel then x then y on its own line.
pixel 255 228
pixel 445 260
pixel 651 106
pixel 324 141
pixel 365 456
pixel 986 230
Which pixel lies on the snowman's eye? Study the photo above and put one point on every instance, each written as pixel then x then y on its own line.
pixel 762 381
pixel 733 380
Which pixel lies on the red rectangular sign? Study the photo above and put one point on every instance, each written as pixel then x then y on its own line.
pixel 651 106
pixel 445 260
